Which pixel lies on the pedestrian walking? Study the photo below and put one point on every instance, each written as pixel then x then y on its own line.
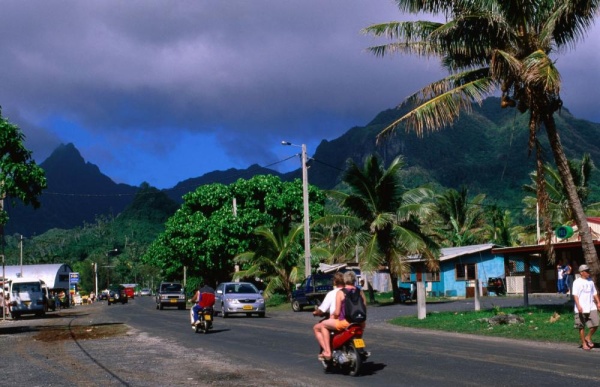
pixel 587 304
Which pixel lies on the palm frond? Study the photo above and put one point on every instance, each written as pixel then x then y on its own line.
pixel 539 70
pixel 443 109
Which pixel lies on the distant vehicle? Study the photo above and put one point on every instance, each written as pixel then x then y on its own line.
pixel 239 297
pixel 130 292
pixel 145 292
pixel 312 291
pixel 27 297
pixel 116 294
pixel 170 294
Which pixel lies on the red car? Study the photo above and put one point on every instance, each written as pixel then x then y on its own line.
pixel 130 292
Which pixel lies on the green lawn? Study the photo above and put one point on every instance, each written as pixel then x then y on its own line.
pixel 550 323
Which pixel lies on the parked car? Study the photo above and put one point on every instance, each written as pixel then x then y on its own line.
pixel 117 294
pixel 145 292
pixel 170 294
pixel 239 297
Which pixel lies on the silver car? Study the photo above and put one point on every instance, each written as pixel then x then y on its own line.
pixel 239 297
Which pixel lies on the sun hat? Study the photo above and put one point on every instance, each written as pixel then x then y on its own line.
pixel 584 268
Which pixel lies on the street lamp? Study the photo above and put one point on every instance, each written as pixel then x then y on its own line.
pixel 307 268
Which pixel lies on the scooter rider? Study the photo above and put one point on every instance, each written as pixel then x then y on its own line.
pixel 204 298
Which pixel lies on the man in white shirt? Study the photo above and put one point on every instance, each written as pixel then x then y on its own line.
pixel 586 307
pixel 327 306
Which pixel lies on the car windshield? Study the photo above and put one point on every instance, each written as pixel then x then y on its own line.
pixel 172 288
pixel 241 288
pixel 26 287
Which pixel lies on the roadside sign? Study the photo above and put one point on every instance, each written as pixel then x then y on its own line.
pixel 73 278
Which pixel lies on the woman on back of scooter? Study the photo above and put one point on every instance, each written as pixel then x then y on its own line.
pixel 338 321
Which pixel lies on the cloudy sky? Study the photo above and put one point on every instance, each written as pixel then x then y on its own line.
pixel 161 91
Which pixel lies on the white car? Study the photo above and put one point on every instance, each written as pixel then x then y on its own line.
pixel 239 297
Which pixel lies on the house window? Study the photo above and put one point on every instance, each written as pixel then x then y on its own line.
pixel 433 276
pixel 465 271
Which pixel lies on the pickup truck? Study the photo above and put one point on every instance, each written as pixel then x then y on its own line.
pixel 170 294
pixel 312 291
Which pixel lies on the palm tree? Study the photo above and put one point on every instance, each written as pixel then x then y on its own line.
pixel 487 44
pixel 458 220
pixel 385 216
pixel 275 260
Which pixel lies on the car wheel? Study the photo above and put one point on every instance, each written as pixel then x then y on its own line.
pixel 182 307
pixel 161 306
pixel 223 314
pixel 296 307
pixel 262 315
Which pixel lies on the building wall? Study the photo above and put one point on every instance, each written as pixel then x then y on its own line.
pixel 487 266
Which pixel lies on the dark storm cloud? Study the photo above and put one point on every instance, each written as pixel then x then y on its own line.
pixel 140 76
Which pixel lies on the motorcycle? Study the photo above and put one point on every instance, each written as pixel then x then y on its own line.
pixel 348 351
pixel 205 320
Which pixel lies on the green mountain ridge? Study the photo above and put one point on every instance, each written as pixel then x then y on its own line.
pixel 485 150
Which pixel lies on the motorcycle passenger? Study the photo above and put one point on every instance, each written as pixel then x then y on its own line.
pixel 327 307
pixel 338 322
pixel 204 298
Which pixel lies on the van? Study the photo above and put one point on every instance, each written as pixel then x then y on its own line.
pixel 27 297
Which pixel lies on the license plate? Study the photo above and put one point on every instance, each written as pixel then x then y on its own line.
pixel 207 317
pixel 359 343
pixel 173 301
pixel 247 307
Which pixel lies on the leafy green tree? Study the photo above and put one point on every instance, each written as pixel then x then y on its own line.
pixel 387 217
pixel 20 177
pixel 559 210
pixel 486 44
pixel 209 230
pixel 459 220
pixel 275 260
pixel 500 228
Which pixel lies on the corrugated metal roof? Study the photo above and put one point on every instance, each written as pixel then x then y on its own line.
pixel 452 252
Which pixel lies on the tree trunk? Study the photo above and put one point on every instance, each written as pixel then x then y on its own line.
pixel 587 243
pixel 395 292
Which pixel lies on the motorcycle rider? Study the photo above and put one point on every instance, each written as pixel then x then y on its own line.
pixel 204 298
pixel 338 322
pixel 327 307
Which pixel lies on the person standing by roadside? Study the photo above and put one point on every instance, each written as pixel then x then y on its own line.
pixel 568 277
pixel 586 308
pixel 560 282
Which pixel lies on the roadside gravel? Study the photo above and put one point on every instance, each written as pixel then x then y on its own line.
pixel 72 348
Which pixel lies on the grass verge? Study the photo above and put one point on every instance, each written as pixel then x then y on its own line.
pixel 550 323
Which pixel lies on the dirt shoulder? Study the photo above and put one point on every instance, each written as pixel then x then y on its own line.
pixel 79 347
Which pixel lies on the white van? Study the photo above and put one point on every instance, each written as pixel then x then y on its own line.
pixel 27 297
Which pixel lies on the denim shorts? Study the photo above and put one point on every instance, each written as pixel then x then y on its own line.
pixel 590 320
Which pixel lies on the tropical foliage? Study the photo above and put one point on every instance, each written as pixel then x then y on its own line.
pixel 20 177
pixel 275 260
pixel 488 44
pixel 217 222
pixel 385 218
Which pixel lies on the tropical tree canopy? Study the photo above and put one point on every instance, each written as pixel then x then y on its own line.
pixel 385 216
pixel 20 177
pixel 490 44
pixel 211 228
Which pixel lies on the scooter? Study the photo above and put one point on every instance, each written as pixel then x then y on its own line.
pixel 205 320
pixel 348 351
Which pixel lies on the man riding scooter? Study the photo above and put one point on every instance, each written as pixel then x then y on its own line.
pixel 204 298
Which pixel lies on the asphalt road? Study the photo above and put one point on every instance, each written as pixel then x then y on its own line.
pixel 279 350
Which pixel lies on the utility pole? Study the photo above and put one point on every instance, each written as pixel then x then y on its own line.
pixel 21 244
pixel 307 255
